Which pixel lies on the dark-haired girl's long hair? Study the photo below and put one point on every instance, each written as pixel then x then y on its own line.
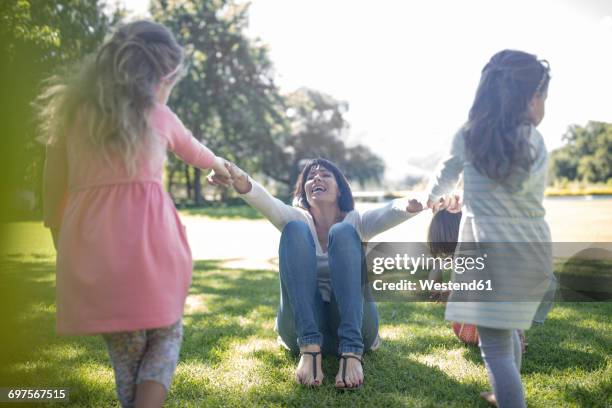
pixel 496 141
pixel 443 233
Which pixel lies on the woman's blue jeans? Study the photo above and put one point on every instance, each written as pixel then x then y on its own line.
pixel 346 324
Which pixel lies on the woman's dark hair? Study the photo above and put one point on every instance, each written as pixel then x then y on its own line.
pixel 345 201
pixel 443 233
pixel 495 141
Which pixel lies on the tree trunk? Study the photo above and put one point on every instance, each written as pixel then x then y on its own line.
pixel 188 183
pixel 197 188
pixel 224 193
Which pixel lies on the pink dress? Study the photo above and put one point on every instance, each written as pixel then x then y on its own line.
pixel 123 259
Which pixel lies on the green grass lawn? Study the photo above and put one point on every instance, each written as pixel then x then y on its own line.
pixel 230 356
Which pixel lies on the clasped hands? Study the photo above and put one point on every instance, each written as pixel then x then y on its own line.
pixel 226 173
pixel 450 203
pixel 230 175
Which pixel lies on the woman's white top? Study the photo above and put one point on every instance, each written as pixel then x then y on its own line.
pixel 367 224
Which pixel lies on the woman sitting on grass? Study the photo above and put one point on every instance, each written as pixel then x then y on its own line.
pixel 322 304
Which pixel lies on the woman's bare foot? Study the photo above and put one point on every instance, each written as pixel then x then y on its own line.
pixel 304 374
pixel 353 376
pixel 489 396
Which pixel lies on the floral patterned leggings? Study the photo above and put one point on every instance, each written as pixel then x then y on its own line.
pixel 143 355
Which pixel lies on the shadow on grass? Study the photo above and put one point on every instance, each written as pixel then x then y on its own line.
pixel 32 355
pixel 229 334
pixel 562 343
pixel 586 396
pixel 559 344
pixel 393 378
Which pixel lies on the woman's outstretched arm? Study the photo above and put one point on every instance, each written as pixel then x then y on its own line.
pixel 378 220
pixel 276 211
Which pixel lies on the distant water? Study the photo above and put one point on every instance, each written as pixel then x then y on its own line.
pixel 605 197
pixel 580 198
pixel 571 219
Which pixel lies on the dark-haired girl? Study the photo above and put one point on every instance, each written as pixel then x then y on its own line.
pixel 503 160
pixel 322 305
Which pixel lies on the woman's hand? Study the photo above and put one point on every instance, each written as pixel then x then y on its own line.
pixel 220 176
pixel 414 206
pixel 240 178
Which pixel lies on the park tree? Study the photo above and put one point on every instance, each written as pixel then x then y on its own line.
pixel 37 39
pixel 230 102
pixel 318 128
pixel 587 155
pixel 228 98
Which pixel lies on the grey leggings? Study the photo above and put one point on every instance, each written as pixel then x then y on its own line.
pixel 143 355
pixel 501 352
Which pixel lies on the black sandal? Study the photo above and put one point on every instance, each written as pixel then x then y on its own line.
pixel 314 355
pixel 343 359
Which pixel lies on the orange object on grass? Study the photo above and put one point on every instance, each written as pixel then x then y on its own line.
pixel 467 333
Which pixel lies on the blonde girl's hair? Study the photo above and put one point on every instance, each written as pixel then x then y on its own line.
pixel 113 90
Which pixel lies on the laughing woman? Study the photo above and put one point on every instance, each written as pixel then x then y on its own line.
pixel 322 283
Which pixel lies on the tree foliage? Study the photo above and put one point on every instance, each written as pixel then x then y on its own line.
pixel 587 155
pixel 54 31
pixel 228 99
pixel 37 38
pixel 318 128
pixel 230 102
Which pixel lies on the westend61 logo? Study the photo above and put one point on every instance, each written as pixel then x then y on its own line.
pixel 412 264
pixel 405 273
pixel 489 271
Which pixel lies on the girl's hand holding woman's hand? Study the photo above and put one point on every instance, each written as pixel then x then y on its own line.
pixel 455 204
pixel 449 203
pixel 240 178
pixel 220 176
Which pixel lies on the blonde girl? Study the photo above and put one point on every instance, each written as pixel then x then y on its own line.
pixel 123 261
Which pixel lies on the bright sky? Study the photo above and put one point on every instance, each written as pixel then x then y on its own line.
pixel 409 69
